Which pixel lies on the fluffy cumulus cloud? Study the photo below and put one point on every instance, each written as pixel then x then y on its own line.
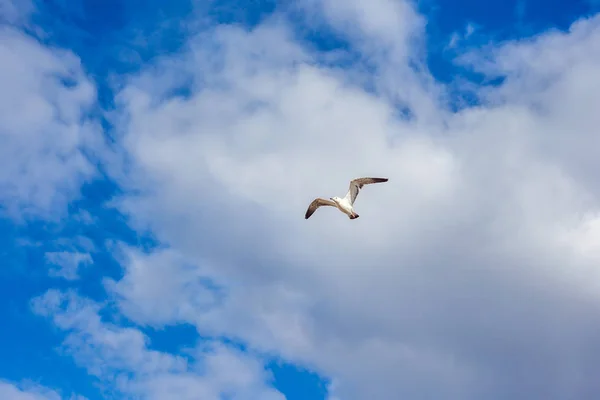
pixel 471 274
pixel 44 126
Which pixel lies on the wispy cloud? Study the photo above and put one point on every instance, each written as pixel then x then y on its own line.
pixel 31 391
pixel 122 356
pixel 67 264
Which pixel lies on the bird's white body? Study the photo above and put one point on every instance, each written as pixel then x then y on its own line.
pixel 345 204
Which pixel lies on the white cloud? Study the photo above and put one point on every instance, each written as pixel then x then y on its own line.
pixel 390 36
pixel 156 282
pixel 471 274
pixel 391 23
pixel 44 129
pixel 121 356
pixel 9 391
pixel 30 391
pixel 66 264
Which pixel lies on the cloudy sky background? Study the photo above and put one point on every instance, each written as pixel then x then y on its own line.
pixel 158 157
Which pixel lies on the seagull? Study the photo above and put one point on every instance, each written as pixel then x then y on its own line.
pixel 346 204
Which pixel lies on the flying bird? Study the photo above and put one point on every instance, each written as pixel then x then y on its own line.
pixel 345 205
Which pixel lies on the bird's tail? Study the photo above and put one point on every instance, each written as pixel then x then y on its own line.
pixel 354 215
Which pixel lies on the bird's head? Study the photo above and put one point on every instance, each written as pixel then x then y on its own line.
pixel 335 199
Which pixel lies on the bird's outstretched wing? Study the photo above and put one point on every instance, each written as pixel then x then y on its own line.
pixel 316 203
pixel 357 184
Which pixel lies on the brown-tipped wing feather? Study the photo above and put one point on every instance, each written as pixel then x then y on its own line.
pixel 357 184
pixel 316 203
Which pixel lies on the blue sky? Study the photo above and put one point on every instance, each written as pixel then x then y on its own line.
pixel 102 244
